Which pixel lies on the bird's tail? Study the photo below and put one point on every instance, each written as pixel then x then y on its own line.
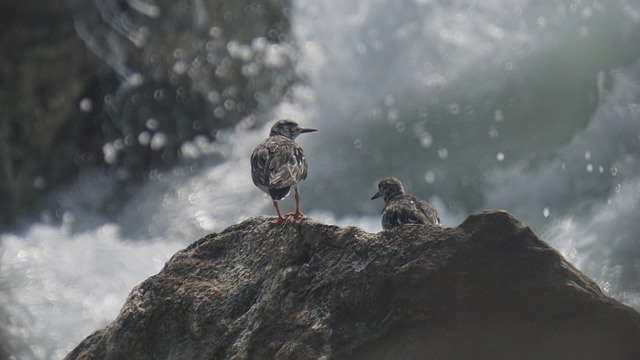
pixel 279 194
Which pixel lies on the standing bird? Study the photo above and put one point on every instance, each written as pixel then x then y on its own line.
pixel 278 164
pixel 401 208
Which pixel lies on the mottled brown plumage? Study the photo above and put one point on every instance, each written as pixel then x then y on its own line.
pixel 401 208
pixel 278 164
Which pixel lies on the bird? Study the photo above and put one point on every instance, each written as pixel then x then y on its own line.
pixel 278 164
pixel 401 208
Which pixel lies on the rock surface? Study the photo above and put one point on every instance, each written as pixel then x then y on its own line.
pixel 487 289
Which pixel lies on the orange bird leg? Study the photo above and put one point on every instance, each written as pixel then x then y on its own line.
pixel 298 213
pixel 280 218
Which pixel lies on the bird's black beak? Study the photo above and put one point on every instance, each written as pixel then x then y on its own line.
pixel 306 130
pixel 377 195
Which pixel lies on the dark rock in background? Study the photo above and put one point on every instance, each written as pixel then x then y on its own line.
pixel 187 68
pixel 129 83
pixel 487 289
pixel 44 72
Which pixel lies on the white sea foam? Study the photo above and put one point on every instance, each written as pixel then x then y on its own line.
pixel 64 287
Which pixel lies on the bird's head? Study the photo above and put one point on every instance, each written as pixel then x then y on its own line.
pixel 288 128
pixel 388 188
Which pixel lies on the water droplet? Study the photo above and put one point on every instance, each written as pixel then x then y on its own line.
pixel 357 143
pixel 389 100
pixel 429 177
pixel 545 212
pixel 189 150
pixel 498 116
pixel 219 112
pixel 259 43
pixel 500 156
pixel 230 105
pixel 423 113
pixel 22 255
pixel 454 109
pixel 573 7
pixel 144 138
pixel 213 97
pixel 110 153
pixel 250 70
pixel 614 171
pixel 215 32
pixel 601 169
pixel 152 124
pixel 361 48
pixel 68 217
pixel 542 22
pixel 618 188
pixel 135 79
pixel 86 104
pixel 178 53
pixel 393 115
pixel 39 183
pixel 494 133
pixel 587 155
pixel 128 140
pixel 159 95
pixel 180 67
pixel 443 153
pixel 426 140
pixel 375 112
pixel 589 168
pixel 158 141
pixel 118 144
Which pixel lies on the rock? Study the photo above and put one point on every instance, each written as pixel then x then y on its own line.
pixel 132 83
pixel 44 74
pixel 189 69
pixel 487 289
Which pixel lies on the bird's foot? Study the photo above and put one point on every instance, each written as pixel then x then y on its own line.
pixel 280 219
pixel 298 213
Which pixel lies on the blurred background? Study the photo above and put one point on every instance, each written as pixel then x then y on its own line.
pixel 126 129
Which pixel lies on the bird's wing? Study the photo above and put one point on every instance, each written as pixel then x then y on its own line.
pixel 277 163
pixel 403 210
pixel 427 210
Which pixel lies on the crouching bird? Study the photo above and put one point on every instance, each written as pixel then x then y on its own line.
pixel 401 208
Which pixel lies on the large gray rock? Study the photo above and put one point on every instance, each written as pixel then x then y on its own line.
pixel 487 289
